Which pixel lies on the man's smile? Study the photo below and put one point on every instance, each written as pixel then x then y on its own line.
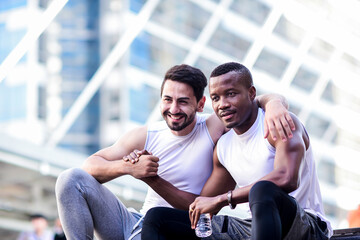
pixel 176 117
pixel 227 114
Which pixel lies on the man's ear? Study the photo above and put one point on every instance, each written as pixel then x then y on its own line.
pixel 252 93
pixel 201 104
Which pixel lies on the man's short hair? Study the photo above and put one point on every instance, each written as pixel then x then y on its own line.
pixel 192 76
pixel 36 216
pixel 243 72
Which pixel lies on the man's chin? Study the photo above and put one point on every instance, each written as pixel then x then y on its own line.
pixel 175 127
pixel 229 124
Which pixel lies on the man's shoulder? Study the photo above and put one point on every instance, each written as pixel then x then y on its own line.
pixel 202 117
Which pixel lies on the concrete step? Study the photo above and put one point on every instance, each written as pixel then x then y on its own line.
pixel 346 234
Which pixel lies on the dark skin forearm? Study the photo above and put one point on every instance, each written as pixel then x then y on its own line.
pixel 263 99
pixel 219 182
pixel 177 198
pixel 278 122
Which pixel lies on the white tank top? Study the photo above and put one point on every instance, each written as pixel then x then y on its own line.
pixel 184 161
pixel 248 157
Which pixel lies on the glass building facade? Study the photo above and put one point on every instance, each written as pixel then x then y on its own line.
pixel 301 49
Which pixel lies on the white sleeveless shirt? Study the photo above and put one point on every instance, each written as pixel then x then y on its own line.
pixel 248 157
pixel 184 161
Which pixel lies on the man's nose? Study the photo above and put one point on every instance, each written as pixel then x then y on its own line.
pixel 174 108
pixel 223 103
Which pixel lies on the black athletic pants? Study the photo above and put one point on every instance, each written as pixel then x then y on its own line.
pixel 272 209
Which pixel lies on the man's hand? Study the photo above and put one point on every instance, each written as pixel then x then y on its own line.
pixel 278 121
pixel 147 166
pixel 201 205
pixel 134 156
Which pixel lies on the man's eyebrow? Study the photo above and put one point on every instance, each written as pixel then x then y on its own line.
pixel 180 98
pixel 184 98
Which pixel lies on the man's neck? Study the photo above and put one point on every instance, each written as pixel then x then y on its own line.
pixel 247 124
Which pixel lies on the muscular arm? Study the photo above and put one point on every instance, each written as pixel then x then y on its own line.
pixel 264 99
pixel 288 158
pixel 287 162
pixel 220 180
pixel 177 198
pixel 107 163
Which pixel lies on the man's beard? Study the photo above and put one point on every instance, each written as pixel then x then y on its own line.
pixel 178 126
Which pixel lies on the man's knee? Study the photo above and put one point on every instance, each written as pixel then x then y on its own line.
pixel 262 191
pixel 69 178
pixel 155 215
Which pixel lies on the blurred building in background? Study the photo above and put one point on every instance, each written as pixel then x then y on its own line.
pixel 96 69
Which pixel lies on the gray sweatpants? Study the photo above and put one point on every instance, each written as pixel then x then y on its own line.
pixel 305 226
pixel 85 206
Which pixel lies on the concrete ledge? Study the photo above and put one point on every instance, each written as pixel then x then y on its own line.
pixel 346 234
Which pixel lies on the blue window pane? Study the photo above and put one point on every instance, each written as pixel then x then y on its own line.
pixel 12 102
pixel 140 52
pixel 7 5
pixel 136 5
pixel 142 102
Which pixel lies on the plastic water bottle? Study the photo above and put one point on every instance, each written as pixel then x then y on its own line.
pixel 203 227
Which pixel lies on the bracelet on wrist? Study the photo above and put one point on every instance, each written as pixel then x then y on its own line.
pixel 229 199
